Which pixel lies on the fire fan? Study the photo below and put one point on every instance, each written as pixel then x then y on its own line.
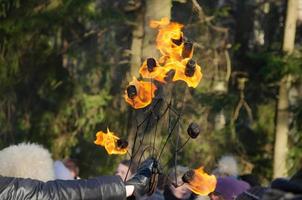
pixel 176 64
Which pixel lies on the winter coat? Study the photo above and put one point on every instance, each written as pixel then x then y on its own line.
pixel 101 188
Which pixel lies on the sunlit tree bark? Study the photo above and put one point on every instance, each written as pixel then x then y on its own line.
pixel 144 46
pixel 143 37
pixel 282 123
pixel 136 46
pixel 155 10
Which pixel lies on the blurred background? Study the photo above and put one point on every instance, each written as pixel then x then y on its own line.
pixel 64 66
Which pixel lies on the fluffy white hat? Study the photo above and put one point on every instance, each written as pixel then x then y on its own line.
pixel 227 166
pixel 26 161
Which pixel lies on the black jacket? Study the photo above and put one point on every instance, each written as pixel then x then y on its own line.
pixel 101 188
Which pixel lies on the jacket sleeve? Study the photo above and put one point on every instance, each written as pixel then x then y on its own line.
pixel 101 188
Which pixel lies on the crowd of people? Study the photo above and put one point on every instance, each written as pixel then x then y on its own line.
pixel 27 171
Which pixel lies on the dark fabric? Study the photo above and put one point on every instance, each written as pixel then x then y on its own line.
pixel 132 197
pixel 288 186
pixel 293 185
pixel 254 193
pixel 157 195
pixel 101 188
pixel 142 178
pixel 229 187
pixel 250 179
pixel 274 194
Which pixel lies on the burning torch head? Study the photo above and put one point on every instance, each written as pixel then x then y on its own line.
pixel 193 130
pixel 177 42
pixel 188 176
pixel 122 143
pixel 139 94
pixel 112 143
pixel 151 64
pixel 187 49
pixel 131 91
pixel 190 68
pixel 199 181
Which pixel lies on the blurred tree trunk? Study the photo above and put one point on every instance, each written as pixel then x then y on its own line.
pixel 290 26
pixel 144 37
pixel 136 46
pixel 155 10
pixel 282 123
pixel 144 46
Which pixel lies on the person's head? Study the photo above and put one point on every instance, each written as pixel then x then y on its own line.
pixel 123 168
pixel 228 188
pixel 72 166
pixel 176 186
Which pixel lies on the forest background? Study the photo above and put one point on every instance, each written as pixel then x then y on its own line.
pixel 64 66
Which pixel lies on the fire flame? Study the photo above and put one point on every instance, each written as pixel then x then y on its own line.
pixel 177 52
pixel 144 92
pixel 110 142
pixel 151 69
pixel 169 39
pixel 201 183
pixel 176 57
pixel 186 70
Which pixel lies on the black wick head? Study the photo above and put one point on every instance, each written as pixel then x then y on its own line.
pixel 187 49
pixel 193 130
pixel 122 144
pixel 131 91
pixel 151 64
pixel 190 68
pixel 188 176
pixel 178 42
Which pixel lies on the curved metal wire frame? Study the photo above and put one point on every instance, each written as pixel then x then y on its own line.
pixel 171 129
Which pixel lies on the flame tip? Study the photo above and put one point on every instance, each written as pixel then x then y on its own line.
pixel 109 141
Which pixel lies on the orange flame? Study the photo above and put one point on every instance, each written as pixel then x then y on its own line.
pixel 144 93
pixel 157 72
pixel 176 56
pixel 192 79
pixel 109 141
pixel 169 39
pixel 202 183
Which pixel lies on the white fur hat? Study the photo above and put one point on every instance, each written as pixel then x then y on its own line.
pixel 227 166
pixel 26 161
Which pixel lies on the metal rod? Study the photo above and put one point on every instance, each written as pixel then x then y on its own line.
pixel 170 133
pixel 183 145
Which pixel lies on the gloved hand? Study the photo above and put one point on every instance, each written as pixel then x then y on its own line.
pixel 145 178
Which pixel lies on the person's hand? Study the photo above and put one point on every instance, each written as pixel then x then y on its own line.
pixel 144 178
